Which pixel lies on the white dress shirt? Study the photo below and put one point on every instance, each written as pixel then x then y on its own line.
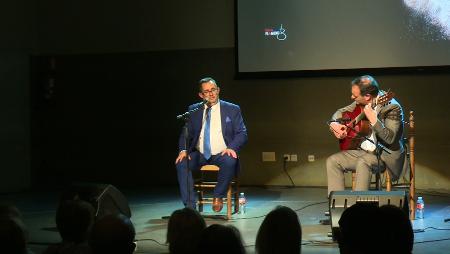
pixel 215 130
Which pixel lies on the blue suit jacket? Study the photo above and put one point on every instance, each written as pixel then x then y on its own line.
pixel 233 127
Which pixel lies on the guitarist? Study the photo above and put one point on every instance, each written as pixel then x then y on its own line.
pixel 385 122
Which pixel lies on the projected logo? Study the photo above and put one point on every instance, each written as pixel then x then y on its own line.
pixel 279 33
pixel 435 12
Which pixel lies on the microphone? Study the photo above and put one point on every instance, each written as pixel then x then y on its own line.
pixel 186 115
pixel 204 102
pixel 340 120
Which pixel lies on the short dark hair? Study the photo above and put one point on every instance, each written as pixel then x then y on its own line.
pixel 9 211
pixel 365 87
pixel 280 232
pixel 400 236
pixel 112 233
pixel 184 230
pixel 358 226
pixel 206 80
pixel 74 219
pixel 13 236
pixel 13 233
pixel 227 237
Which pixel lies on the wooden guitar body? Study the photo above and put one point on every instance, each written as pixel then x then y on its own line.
pixel 356 130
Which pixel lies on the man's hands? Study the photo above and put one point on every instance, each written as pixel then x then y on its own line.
pixel 371 114
pixel 181 156
pixel 339 130
pixel 229 152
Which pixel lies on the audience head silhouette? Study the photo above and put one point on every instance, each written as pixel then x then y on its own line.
pixel 184 230
pixel 220 239
pixel 112 234
pixel 398 233
pixel 74 219
pixel 359 226
pixel 13 234
pixel 280 232
pixel 9 211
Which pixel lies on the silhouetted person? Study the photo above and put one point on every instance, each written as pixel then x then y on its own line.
pixel 13 233
pixel 112 234
pixel 12 236
pixel 361 229
pixel 9 211
pixel 398 236
pixel 184 231
pixel 220 239
pixel 280 232
pixel 74 219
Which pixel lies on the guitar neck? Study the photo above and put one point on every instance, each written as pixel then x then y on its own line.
pixel 360 117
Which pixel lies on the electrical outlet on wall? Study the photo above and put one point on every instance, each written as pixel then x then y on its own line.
pixel 293 157
pixel 311 158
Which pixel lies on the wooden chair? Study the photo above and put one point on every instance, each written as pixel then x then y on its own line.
pixel 408 183
pixel 201 185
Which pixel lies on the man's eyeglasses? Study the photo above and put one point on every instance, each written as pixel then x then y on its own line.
pixel 205 92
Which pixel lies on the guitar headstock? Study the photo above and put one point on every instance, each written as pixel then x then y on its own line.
pixel 385 98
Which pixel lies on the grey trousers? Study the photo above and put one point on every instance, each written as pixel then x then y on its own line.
pixel 359 161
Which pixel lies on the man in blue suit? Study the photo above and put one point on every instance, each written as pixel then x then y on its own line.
pixel 216 134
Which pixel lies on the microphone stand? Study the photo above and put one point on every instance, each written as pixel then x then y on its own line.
pixel 186 116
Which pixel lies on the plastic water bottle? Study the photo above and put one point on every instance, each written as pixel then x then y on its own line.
pixel 242 203
pixel 420 208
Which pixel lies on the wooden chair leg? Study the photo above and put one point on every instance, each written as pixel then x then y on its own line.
pixel 236 197
pixel 200 201
pixel 229 202
pixel 353 180
pixel 388 180
pixel 412 172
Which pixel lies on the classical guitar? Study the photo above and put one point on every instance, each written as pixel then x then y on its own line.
pixel 359 127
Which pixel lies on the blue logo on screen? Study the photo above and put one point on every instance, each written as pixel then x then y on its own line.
pixel 279 33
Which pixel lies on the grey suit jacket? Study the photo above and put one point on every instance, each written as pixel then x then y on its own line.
pixel 389 132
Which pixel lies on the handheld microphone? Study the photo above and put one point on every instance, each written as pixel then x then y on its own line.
pixel 204 102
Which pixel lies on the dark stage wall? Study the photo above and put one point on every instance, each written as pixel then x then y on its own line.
pixel 112 118
pixel 18 39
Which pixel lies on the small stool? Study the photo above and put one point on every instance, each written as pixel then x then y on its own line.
pixel 232 192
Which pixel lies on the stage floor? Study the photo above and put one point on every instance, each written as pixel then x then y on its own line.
pixel 149 206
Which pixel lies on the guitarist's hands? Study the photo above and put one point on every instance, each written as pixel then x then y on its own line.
pixel 339 130
pixel 371 114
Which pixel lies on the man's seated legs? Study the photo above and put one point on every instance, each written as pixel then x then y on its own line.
pixel 337 165
pixel 365 166
pixel 227 165
pixel 359 161
pixel 197 160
